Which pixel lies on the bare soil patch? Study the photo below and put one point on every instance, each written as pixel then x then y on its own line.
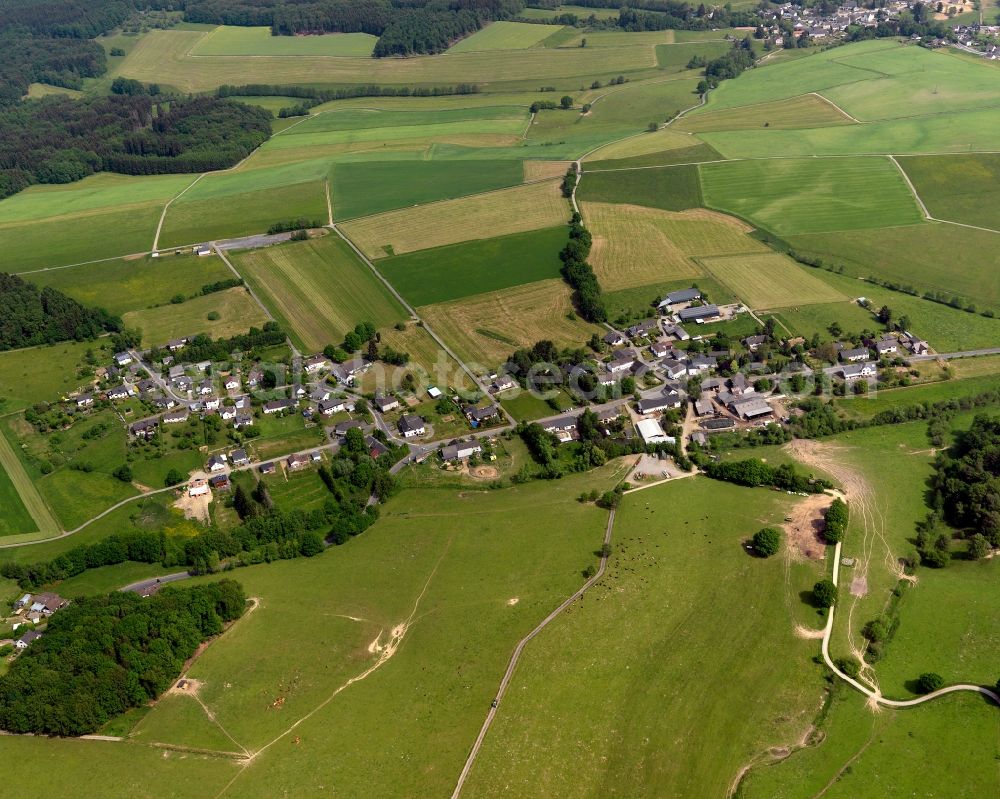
pixel 804 527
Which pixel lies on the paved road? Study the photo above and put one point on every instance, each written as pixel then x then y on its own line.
pixel 142 585
pixel 257 240
pixel 505 682
pixel 876 696
pixel 951 356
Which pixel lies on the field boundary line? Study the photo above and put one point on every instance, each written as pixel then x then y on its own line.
pixel 516 656
pixel 329 202
pixel 33 501
pixel 841 110
pixel 83 263
pixel 163 213
pixel 911 187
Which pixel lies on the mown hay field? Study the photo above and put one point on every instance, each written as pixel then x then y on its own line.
pixel 164 56
pixel 429 364
pixel 642 144
pixel 959 188
pixel 317 289
pixel 504 36
pixel 461 270
pixel 807 111
pixel 233 40
pixel 486 328
pixel 237 312
pixel 770 280
pixel 371 187
pixel 134 283
pixel 529 207
pixel 540 170
pixel 634 246
pixel 789 195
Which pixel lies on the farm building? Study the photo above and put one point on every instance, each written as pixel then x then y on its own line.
pixel 750 408
pixel 679 297
pixel 652 433
pixel 665 402
pixel 699 313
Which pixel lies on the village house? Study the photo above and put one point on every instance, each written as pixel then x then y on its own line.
pixel 661 349
pixel 385 403
pixel 315 364
pixel 175 371
pixel 119 392
pixel 664 402
pixel 854 355
pixel 255 377
pixel 753 343
pixel 739 385
pixel 217 463
pixel 320 393
pixel 673 368
pixel 243 420
pixel 297 461
pixel 227 413
pixel 856 371
pixel 239 457
pixel 677 332
pixel 411 425
pixel 47 603
pixel 25 640
pixel 220 482
pixel 183 383
pixel 477 416
pixel 375 447
pixel 562 426
pixel 212 403
pixel 460 450
pixel 644 329
pixel 146 428
pixel 268 468
pixel 84 400
pixel 198 488
pixel 614 339
pixel 351 424
pixel 175 417
pixel 175 344
pixel 232 383
pixel 503 383
pixel 621 361
pixel 886 346
pixel 279 406
pixel 122 359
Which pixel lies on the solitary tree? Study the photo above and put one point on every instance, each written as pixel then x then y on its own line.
pixel 566 101
pixel 173 478
pixel 766 541
pixel 930 681
pixel 124 473
pixel 825 593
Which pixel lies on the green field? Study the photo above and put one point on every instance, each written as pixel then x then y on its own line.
pixel 959 188
pixel 60 241
pixel 371 187
pixel 807 111
pixel 637 302
pixel 651 682
pixel 126 285
pixel 460 270
pixel 15 520
pixel 24 382
pixel 164 57
pixel 670 189
pixel 920 256
pixel 230 40
pixel 504 36
pixel 789 196
pixel 237 312
pixel 697 153
pixel 317 289
pixel 770 281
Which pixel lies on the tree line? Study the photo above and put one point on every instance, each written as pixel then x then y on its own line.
pixel 61 140
pixel 753 472
pixel 579 274
pixel 101 656
pixel 34 316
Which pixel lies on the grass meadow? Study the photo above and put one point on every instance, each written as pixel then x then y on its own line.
pixel 486 328
pixel 922 256
pixel 770 280
pixel 635 246
pixel 15 520
pixel 669 189
pixel 230 40
pixel 531 207
pixel 504 36
pixel 165 56
pixel 638 302
pixel 136 283
pixel 41 374
pixel 372 187
pixel 237 312
pixel 789 196
pixel 610 719
pixel 806 111
pixel 959 188
pixel 460 270
pixel 317 289
pixel 90 236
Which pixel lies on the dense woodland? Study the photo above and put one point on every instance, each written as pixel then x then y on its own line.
pixel 104 655
pixel 33 316
pixel 966 480
pixel 60 140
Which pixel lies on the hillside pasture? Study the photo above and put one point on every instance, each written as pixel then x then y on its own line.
pixel 696 154
pixel 15 520
pixel 806 111
pixel 164 56
pixel 675 188
pixel 237 311
pixel 540 170
pixel 635 246
pixel 317 289
pixel 921 256
pixel 239 41
pixel 789 196
pixel 504 36
pixel 770 281
pixel 529 207
pixel 663 140
pixel 135 283
pixel 372 187
pixel 486 328
pixel 22 383
pixel 460 270
pixel 637 731
pixel 959 188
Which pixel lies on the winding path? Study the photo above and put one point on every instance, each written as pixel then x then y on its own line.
pixel 505 682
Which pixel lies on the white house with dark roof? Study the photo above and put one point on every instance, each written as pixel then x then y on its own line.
pixel 460 450
pixel 857 371
pixel 854 355
pixel 411 425
pixel 279 405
